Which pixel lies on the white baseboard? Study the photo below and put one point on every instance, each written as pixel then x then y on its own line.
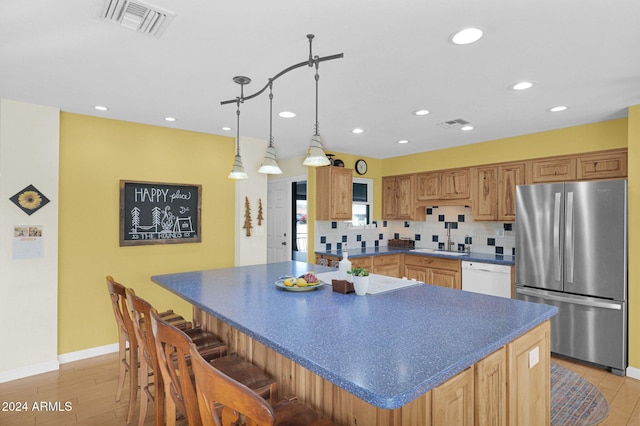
pixel 30 370
pixel 87 353
pixel 633 372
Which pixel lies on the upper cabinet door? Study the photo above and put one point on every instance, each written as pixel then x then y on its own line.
pixel 428 186
pixel 389 197
pixel 485 193
pixel 334 193
pixel 455 184
pixel 509 175
pixel 406 201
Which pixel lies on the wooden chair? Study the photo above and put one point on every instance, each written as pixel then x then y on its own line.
pixel 174 361
pixel 224 401
pixel 127 342
pixel 208 345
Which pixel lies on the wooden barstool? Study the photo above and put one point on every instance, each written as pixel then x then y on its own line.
pixel 174 361
pixel 208 345
pixel 127 342
pixel 222 401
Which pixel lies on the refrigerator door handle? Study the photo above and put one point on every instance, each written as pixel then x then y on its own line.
pixel 566 299
pixel 570 255
pixel 556 237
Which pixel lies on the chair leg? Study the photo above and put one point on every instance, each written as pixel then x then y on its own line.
pixel 122 356
pixel 133 382
pixel 144 390
pixel 170 409
pixel 158 398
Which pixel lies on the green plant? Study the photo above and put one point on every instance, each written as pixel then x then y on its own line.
pixel 358 271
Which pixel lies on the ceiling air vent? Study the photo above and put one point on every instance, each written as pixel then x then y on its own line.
pixel 137 15
pixel 454 124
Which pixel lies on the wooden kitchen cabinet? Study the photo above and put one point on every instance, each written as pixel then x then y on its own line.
pixel 509 176
pixel 334 193
pixel 602 165
pixel 528 375
pixel 494 191
pixel 485 193
pixel 559 169
pixel 428 186
pixel 388 265
pixel 455 184
pixel 433 270
pixel 490 384
pixel 399 197
pixel 452 403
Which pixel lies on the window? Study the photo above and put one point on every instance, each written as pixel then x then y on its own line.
pixel 362 196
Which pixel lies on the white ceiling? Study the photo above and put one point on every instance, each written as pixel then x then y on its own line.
pixel 397 59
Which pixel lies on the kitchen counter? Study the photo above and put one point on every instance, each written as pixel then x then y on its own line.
pixel 500 259
pixel 386 349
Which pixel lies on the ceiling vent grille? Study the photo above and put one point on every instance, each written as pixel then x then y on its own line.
pixel 137 15
pixel 454 124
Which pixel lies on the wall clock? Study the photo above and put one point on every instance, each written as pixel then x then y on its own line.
pixel 361 167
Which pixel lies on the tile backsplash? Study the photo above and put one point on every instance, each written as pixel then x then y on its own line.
pixel 481 237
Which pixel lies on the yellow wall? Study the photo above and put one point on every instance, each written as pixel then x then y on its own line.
pixel 94 155
pixel 634 236
pixel 589 137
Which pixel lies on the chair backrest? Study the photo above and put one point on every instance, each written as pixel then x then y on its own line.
pixel 140 317
pixel 172 350
pixel 221 399
pixel 118 295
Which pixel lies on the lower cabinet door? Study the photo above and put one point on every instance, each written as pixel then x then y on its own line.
pixel 453 401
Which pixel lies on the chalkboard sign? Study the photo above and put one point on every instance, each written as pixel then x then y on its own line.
pixel 159 213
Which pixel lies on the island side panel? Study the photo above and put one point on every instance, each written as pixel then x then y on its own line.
pixel 529 378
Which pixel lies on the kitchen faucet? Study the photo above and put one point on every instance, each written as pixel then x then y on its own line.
pixel 449 242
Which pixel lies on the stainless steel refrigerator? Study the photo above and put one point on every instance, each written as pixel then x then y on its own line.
pixel 571 252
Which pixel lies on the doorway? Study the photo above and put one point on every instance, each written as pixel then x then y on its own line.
pixel 299 229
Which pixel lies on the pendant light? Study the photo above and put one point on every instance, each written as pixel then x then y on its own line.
pixel 237 171
pixel 315 153
pixel 269 165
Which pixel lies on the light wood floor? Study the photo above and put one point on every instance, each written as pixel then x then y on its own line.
pixel 90 385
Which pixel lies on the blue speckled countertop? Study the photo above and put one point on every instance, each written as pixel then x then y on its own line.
pixel 386 349
pixel 501 259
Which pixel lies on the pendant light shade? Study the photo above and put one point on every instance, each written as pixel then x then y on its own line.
pixel 237 171
pixel 315 153
pixel 269 165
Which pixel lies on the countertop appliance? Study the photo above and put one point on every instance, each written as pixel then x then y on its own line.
pixel 486 278
pixel 571 252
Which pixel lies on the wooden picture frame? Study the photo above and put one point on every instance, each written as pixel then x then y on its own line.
pixel 159 213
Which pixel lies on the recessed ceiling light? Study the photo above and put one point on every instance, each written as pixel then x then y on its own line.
pixel 403 141
pixel 523 85
pixel 287 114
pixel 467 36
pixel 101 108
pixel 171 119
pixel 226 128
pixel 466 128
pixel 557 108
pixel 357 131
pixel 421 112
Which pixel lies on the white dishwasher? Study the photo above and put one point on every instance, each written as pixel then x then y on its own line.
pixel 486 278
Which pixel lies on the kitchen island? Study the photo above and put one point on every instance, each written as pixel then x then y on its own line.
pixel 408 356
